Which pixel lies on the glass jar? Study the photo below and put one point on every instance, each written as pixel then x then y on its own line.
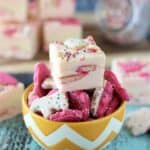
pixel 123 21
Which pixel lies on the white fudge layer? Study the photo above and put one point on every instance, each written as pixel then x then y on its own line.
pixel 134 75
pixel 14 10
pixel 77 64
pixel 60 30
pixel 18 40
pixel 57 8
pixel 10 100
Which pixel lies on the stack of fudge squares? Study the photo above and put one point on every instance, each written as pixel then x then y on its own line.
pixel 23 23
pixel 59 21
pixel 18 29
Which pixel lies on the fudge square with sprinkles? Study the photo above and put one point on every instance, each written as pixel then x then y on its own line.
pixel 77 64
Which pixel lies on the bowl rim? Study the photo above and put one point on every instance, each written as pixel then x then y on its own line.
pixel 24 104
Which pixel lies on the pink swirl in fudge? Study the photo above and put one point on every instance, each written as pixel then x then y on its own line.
pixel 132 66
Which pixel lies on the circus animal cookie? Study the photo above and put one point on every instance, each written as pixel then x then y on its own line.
pixel 49 8
pixel 134 74
pixel 13 10
pixel 77 64
pixel 11 92
pixel 61 29
pixel 105 100
pixel 51 103
pixel 139 121
pixel 18 41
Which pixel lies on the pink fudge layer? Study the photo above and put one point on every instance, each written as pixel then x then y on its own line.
pixel 13 10
pixel 57 8
pixel 134 74
pixel 19 41
pixel 77 64
pixel 61 29
pixel 10 96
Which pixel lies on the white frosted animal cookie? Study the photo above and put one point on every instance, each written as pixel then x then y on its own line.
pixel 53 102
pixel 96 100
pixel 48 83
pixel 139 121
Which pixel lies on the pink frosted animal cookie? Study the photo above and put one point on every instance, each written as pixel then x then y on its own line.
pixel 110 76
pixel 41 72
pixel 68 115
pixel 139 121
pixel 47 105
pixel 80 100
pixel 113 105
pixel 105 100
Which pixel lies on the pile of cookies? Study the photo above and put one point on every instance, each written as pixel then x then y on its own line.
pixel 75 86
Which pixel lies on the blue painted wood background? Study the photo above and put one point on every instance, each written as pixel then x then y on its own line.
pixel 85 5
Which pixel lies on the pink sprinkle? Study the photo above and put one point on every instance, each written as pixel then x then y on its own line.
pixel 132 66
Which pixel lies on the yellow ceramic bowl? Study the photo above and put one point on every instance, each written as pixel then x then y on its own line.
pixel 88 135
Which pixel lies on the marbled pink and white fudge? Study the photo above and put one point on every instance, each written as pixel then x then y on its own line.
pixel 61 29
pixel 11 92
pixel 77 64
pixel 13 10
pixel 19 41
pixel 57 8
pixel 134 74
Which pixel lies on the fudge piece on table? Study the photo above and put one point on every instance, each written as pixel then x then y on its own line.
pixel 11 92
pixel 14 10
pixel 77 64
pixel 139 122
pixel 57 8
pixel 19 41
pixel 61 29
pixel 134 75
